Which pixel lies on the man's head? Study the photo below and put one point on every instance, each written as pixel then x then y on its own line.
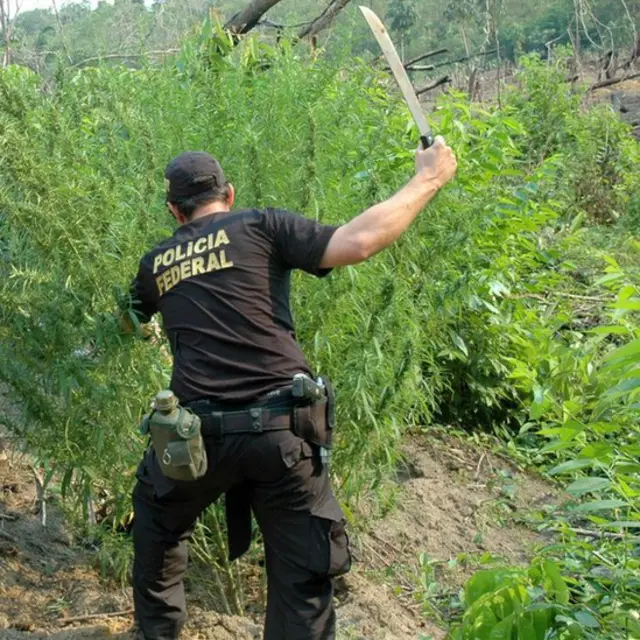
pixel 196 184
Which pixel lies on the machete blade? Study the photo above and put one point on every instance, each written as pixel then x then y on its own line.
pixel 400 74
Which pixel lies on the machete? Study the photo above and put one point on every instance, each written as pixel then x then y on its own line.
pixel 400 73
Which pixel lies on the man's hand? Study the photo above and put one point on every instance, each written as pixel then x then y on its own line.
pixel 381 225
pixel 436 163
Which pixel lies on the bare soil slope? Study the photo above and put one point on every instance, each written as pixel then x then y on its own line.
pixel 449 498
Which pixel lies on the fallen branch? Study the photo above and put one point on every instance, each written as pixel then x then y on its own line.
pixel 601 534
pixel 93 616
pixel 4 516
pixel 277 25
pixel 559 294
pixel 465 58
pixel 608 83
pixel 575 296
pixel 433 85
pixel 424 56
pixel 421 67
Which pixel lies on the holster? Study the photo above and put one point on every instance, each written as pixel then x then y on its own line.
pixel 314 421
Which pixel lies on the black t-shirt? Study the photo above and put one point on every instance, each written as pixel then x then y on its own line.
pixel 222 283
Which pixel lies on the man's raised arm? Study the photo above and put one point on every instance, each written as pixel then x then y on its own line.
pixel 382 224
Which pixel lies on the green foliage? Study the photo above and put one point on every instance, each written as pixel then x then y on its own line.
pixel 521 604
pixel 465 320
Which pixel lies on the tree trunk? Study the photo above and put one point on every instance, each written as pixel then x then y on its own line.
pixel 245 20
pixel 324 19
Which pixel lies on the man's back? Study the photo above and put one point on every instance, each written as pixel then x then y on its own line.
pixel 222 285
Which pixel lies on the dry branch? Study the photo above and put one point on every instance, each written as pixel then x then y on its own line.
pixel 421 67
pixel 424 56
pixel 324 19
pixel 433 85
pixel 465 58
pixel 611 81
pixel 244 21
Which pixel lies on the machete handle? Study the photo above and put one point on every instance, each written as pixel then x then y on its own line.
pixel 426 141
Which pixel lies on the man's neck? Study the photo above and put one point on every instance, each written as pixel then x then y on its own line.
pixel 210 209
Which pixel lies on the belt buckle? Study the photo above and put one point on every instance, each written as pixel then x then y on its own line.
pixel 256 419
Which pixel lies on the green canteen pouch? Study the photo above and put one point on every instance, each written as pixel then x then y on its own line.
pixel 310 423
pixel 177 440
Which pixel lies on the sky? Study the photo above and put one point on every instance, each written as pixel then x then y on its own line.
pixel 27 5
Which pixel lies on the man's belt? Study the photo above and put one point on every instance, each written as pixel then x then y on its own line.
pixel 273 413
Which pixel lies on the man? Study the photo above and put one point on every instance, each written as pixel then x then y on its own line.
pixel 221 283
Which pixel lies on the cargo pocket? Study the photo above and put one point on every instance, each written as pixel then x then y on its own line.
pixel 162 485
pixel 329 554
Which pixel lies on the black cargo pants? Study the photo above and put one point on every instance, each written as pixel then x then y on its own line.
pixel 300 519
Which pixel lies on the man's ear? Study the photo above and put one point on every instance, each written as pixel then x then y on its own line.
pixel 175 212
pixel 232 196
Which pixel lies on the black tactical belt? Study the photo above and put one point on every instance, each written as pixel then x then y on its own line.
pixel 273 413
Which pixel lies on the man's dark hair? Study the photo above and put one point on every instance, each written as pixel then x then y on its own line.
pixel 187 206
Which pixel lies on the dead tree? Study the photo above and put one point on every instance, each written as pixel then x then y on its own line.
pixel 324 19
pixel 243 21
pixel 610 64
pixel 8 12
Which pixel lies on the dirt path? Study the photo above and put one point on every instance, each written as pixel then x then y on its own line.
pixel 452 503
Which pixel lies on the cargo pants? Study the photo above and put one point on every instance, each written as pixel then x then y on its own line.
pixel 302 524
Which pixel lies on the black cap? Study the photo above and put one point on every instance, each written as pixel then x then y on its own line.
pixel 191 173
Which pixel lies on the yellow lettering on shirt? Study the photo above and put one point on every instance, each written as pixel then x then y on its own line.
pixel 221 238
pixel 213 264
pixel 180 254
pixel 188 267
pixel 197 266
pixel 224 264
pixel 169 257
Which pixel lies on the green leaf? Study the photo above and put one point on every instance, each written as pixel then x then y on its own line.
pixel 600 505
pixel 630 305
pixel 558 587
pixel 459 342
pixel 612 329
pixel 526 630
pixel 586 619
pixel 586 485
pixel 571 465
pixel 630 349
pixel 478 585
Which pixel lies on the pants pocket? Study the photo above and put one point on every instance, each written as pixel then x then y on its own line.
pixel 329 554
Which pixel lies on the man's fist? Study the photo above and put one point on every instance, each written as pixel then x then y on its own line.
pixel 436 163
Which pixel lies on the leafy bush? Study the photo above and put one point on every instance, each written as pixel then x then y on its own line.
pixel 451 323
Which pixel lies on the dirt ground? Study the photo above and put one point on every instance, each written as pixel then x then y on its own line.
pixel 451 501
